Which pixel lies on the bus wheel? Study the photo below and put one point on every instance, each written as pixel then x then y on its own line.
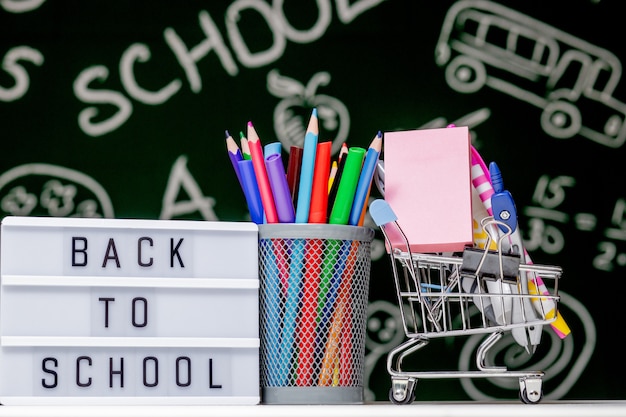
pixel 465 74
pixel 561 120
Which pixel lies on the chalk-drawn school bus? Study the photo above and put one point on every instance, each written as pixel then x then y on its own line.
pixel 486 44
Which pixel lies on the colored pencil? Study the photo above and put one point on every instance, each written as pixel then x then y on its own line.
pixel 342 152
pixel 331 177
pixel 365 180
pixel 306 338
pixel 306 172
pixel 258 161
pixel 347 298
pixel 331 349
pixel 292 308
pixel 245 149
pixel 328 284
pixel 234 153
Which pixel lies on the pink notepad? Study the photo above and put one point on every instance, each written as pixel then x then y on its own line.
pixel 428 186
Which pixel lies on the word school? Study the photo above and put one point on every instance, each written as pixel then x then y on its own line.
pixel 113 372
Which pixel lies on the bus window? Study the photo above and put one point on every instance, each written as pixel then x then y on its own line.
pixel 570 74
pixel 541 54
pixel 602 78
pixel 497 36
pixel 465 24
pixel 526 47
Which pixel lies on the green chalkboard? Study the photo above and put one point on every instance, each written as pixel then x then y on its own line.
pixel 118 109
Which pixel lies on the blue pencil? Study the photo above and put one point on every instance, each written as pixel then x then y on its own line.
pixel 365 180
pixel 306 171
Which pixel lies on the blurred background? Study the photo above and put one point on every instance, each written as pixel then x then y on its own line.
pixel 118 109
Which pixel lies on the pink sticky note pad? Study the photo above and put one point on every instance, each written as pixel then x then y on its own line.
pixel 428 186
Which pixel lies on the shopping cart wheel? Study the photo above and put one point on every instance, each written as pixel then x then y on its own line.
pixel 531 391
pixel 402 391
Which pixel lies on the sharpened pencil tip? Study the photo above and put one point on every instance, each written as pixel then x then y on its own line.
pixel 314 112
pixel 380 134
pixel 250 124
pixel 227 133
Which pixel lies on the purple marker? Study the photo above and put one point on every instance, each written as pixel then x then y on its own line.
pixel 280 188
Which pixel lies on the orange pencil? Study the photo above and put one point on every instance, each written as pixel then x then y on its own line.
pixel 319 189
pixel 332 348
pixel 346 296
pixel 258 161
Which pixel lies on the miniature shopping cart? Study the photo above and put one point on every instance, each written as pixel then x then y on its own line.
pixel 478 291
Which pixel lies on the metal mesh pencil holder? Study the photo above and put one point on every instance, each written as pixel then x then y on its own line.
pixel 314 288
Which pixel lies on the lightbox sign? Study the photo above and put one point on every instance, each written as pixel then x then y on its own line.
pixel 116 311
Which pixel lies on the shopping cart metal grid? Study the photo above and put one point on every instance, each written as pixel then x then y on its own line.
pixel 439 295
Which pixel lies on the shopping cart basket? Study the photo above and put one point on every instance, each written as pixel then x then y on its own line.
pixel 478 291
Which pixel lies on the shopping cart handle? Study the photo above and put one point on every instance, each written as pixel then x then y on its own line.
pixel 382 213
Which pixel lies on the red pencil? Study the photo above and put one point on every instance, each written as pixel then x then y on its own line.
pixel 319 189
pixel 342 152
pixel 258 161
pixel 306 327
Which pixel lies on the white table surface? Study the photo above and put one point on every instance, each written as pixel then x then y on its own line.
pixel 378 409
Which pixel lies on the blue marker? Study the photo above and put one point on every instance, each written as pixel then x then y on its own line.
pixel 272 148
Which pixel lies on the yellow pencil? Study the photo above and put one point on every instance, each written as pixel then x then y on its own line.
pixel 331 176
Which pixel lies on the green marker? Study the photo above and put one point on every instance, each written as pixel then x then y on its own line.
pixel 347 186
pixel 330 278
